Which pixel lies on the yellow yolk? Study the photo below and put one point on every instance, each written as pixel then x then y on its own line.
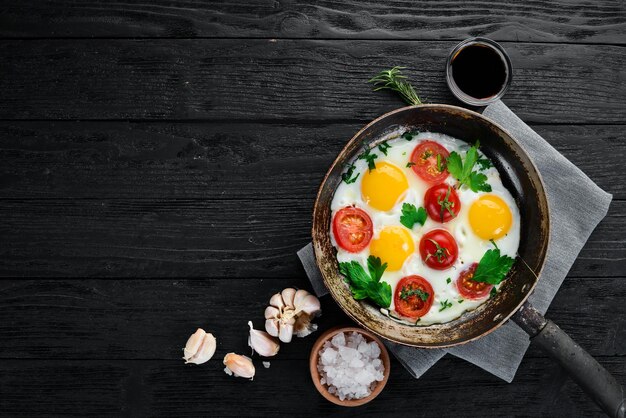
pixel 384 186
pixel 490 217
pixel 393 246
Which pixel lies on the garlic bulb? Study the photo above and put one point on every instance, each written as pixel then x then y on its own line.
pixel 262 342
pixel 200 347
pixel 290 312
pixel 240 366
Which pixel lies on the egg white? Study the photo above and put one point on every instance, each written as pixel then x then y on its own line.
pixel 471 247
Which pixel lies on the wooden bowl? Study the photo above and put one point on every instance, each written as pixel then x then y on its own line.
pixel 315 374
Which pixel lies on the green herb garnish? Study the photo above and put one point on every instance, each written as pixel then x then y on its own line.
pixel 367 286
pixel 484 163
pixel 444 304
pixel 369 158
pixel 383 147
pixel 347 176
pixel 461 301
pixel 394 80
pixel 445 204
pixel 440 165
pixel 408 135
pixel 441 253
pixel 448 280
pixel 412 215
pixel 462 170
pixel 410 164
pixel 406 292
pixel 493 267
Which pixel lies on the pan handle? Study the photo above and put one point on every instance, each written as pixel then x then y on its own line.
pixel 584 369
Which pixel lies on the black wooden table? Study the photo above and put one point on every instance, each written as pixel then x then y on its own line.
pixel 159 165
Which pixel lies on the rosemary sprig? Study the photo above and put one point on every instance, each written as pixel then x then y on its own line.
pixel 394 80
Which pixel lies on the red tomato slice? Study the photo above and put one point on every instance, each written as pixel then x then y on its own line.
pixel 442 203
pixel 425 164
pixel 352 228
pixel 470 289
pixel 408 297
pixel 438 249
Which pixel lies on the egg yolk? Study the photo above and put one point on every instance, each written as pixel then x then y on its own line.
pixel 393 246
pixel 384 186
pixel 490 217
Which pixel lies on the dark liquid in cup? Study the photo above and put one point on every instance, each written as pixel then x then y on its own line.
pixel 479 71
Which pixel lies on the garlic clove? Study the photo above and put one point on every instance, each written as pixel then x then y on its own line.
pixel 277 301
pixel 285 332
pixel 310 305
pixel 200 347
pixel 290 312
pixel 298 298
pixel 271 326
pixel 238 365
pixel 206 350
pixel 271 312
pixel 288 294
pixel 261 342
pixel 194 346
pixel 193 343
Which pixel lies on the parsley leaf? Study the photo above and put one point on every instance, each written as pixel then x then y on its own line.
pixel 462 170
pixel 455 164
pixel 412 215
pixel 492 267
pixel 410 164
pixel 383 147
pixel 369 157
pixel 484 163
pixel 364 285
pixel 444 304
pixel 478 182
pixel 448 280
pixel 410 135
pixel 347 176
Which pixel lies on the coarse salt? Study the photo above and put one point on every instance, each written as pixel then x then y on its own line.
pixel 350 366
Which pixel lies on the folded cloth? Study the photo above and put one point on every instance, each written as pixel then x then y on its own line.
pixel 576 206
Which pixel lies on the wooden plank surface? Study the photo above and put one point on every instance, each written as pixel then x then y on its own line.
pixel 156 388
pixel 286 79
pixel 190 238
pixel 510 20
pixel 223 160
pixel 173 150
pixel 152 319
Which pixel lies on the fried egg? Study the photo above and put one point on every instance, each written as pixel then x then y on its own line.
pixel 484 217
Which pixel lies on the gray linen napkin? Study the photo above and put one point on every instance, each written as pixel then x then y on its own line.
pixel 576 205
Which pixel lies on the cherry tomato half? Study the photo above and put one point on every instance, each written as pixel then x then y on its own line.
pixel 438 249
pixel 413 296
pixel 429 161
pixel 442 203
pixel 470 289
pixel 352 228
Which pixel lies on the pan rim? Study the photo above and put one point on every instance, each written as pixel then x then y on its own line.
pixel 504 318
